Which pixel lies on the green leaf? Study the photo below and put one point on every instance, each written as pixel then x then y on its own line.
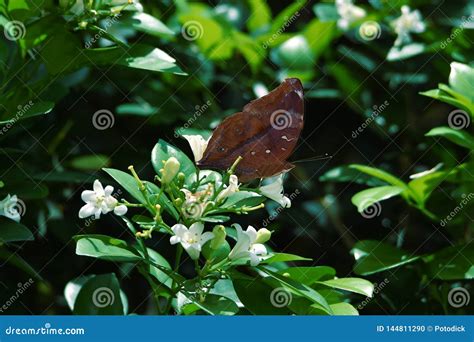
pixel 105 248
pixel 138 56
pixel 350 174
pixel 319 35
pixel 162 151
pixel 366 198
pixel 343 309
pixel 90 162
pixel 459 137
pixel 380 174
pixel 300 289
pixel 28 111
pixel 284 257
pixel 452 263
pixel 356 285
pixel 422 187
pixel 443 96
pixel 309 275
pixel 407 51
pixel 216 305
pixel 144 22
pixel 11 231
pixel 158 259
pixel 260 15
pixel 374 256
pixel 290 12
pixel 242 198
pixel 98 295
pixel 256 295
pixel 130 185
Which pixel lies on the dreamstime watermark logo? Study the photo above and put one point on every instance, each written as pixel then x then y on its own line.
pixel 192 209
pixel 14 30
pixel 281 119
pixel 20 290
pixel 21 111
pixel 199 110
pixel 456 32
pixel 287 23
pixel 458 297
pixel 372 209
pixel 459 119
pixel 103 297
pixel 280 297
pixel 192 30
pixel 108 23
pixel 377 289
pixel 103 119
pixel 465 200
pixel 278 210
pixel 370 30
pixel 376 111
pixel 14 208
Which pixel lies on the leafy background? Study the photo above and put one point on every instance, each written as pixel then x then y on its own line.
pixel 155 76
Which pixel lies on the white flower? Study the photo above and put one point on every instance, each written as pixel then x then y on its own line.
pixel 406 23
pixel 248 246
pixel 230 189
pixel 191 239
pixel 348 13
pixel 100 201
pixel 198 145
pixel 9 208
pixel 274 191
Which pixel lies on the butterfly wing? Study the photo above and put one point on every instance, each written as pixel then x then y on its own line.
pixel 264 134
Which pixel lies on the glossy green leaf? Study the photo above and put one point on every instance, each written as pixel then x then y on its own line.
pixel 366 198
pixel 284 257
pixel 459 137
pixel 309 275
pixel 90 162
pixel 355 285
pixel 11 231
pixel 147 23
pixel 452 263
pixel 343 309
pixel 98 295
pixel 422 187
pixel 105 248
pixel 375 256
pixel 299 288
pixel 380 174
pixel 138 56
pixel 162 151
pixel 350 174
pixel 217 305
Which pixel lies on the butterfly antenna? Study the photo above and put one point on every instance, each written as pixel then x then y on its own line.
pixel 312 159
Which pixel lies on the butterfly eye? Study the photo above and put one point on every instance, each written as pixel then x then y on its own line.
pixel 221 149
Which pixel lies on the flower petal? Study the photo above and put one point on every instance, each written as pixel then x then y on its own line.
pixel 206 237
pixel 98 188
pixel 86 211
pixel 88 196
pixel 120 210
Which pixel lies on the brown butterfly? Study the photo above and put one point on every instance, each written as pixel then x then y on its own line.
pixel 264 134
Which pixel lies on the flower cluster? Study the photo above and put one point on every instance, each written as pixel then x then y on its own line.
pixel 198 198
pixel 408 22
